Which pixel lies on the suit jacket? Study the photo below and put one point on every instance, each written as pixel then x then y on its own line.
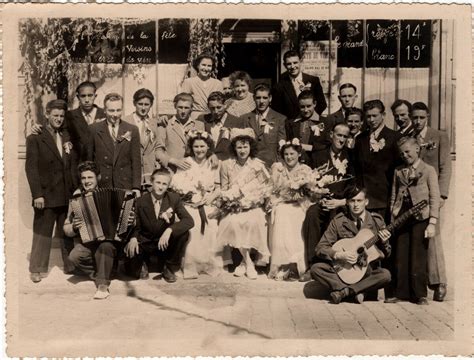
pixel 423 187
pixel 49 174
pixel 120 164
pixel 222 147
pixel 324 157
pixel 284 97
pixel 267 143
pixel 337 117
pixel 79 130
pixel 149 228
pixel 436 153
pixel 148 149
pixel 374 170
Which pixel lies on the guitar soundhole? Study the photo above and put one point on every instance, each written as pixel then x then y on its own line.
pixel 360 250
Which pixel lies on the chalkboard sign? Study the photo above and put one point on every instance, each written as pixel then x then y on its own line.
pixel 415 43
pixel 382 43
pixel 348 34
pixel 173 41
pixel 313 30
pixel 140 43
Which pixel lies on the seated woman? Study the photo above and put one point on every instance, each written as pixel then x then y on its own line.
pixel 199 187
pixel 245 185
pixel 288 206
pixel 242 102
pixel 202 85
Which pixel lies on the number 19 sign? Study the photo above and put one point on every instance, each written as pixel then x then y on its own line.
pixel 415 43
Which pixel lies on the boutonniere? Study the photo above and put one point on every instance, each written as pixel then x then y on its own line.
pixel 127 136
pixel 317 129
pixel 225 133
pixel 341 166
pixel 306 86
pixel 166 215
pixel 413 176
pixel 67 147
pixel 149 133
pixel 430 145
pixel 267 127
pixel 375 145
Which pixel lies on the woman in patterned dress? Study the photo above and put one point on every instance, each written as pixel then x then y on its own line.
pixel 242 102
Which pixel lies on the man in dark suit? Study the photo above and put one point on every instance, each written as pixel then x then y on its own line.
pixel 157 231
pixel 115 148
pixel 292 83
pixel 50 170
pixel 435 151
pixel 268 125
pixel 401 110
pixel 218 123
pixel 355 121
pixel 337 159
pixel 347 97
pixel 376 156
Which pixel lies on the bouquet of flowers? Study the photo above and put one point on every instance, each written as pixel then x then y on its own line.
pixel 191 189
pixel 297 188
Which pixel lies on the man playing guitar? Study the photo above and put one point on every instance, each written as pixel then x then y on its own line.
pixel 346 225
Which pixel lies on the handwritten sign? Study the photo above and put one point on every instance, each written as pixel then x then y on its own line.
pixel 173 41
pixel 140 43
pixel 350 42
pixel 415 43
pixel 382 43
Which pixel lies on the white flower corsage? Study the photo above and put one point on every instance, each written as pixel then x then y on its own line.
pixel 375 145
pixel 166 215
pixel 317 129
pixel 306 86
pixel 267 127
pixel 67 147
pixel 127 136
pixel 341 166
pixel 150 133
pixel 430 145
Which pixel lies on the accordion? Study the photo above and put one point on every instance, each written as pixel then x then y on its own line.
pixel 104 213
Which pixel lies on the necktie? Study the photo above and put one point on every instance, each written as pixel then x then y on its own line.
pixel 359 223
pixel 114 133
pixel 89 119
pixel 157 208
pixel 59 143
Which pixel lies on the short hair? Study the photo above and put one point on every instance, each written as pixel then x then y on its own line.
pixel 88 166
pixel 340 124
pixel 354 111
pixel 200 57
pixel 86 84
pixel 420 106
pixel 374 104
pixel 161 171
pixel 112 97
pixel 400 102
pixel 183 97
pixel 240 75
pixel 244 138
pixel 207 139
pixel 290 53
pixel 143 93
pixel 352 191
pixel 216 96
pixel 56 104
pixel 407 139
pixel 262 87
pixel 347 86
pixel 306 94
pixel 297 148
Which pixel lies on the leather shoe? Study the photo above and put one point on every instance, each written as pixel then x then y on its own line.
pixel 35 277
pixel 440 292
pixel 338 295
pixel 168 275
pixel 422 301
pixel 392 300
pixel 305 277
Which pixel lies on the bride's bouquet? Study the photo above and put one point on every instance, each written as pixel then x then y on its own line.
pixel 191 189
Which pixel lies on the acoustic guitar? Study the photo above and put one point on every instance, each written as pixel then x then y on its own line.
pixel 363 245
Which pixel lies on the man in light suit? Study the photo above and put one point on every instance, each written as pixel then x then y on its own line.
pixel 115 148
pixel 347 97
pixel 292 83
pixel 50 170
pixel 148 130
pixel 435 151
pixel 268 125
pixel 401 110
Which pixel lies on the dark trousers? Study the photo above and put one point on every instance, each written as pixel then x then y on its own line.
pixel 373 279
pixel 96 259
pixel 411 261
pixel 43 225
pixel 171 257
pixel 314 225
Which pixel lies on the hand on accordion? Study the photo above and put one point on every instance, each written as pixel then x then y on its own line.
pixel 132 248
pixel 77 223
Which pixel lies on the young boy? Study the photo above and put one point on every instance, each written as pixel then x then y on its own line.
pixel 346 225
pixel 413 182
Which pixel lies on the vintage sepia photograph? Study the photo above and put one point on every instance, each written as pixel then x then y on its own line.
pixel 237 179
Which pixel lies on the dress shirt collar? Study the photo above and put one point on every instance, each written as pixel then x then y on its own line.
pixel 416 164
pixel 91 114
pixel 377 132
pixel 423 132
pixel 314 118
pixel 298 79
pixel 138 119
pixel 262 116
pixel 53 131
pixel 175 121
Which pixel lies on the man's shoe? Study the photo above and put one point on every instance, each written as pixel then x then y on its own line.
pixel 337 296
pixel 392 300
pixel 168 275
pixel 305 277
pixel 359 298
pixel 440 292
pixel 35 277
pixel 239 270
pixel 144 275
pixel 422 301
pixel 102 292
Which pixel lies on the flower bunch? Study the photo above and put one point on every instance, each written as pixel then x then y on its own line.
pixel 191 189
pixel 430 145
pixel 297 186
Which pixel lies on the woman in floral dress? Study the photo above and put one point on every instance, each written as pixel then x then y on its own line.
pixel 288 205
pixel 199 186
pixel 245 186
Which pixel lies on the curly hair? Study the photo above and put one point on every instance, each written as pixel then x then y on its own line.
pixel 297 148
pixel 198 60
pixel 247 139
pixel 208 140
pixel 240 75
pixel 88 166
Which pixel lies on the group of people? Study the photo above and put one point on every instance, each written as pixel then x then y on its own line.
pixel 247 182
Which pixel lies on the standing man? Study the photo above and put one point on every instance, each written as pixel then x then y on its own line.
pixel 401 110
pixel 292 83
pixel 435 151
pixel 148 130
pixel 355 121
pixel 268 125
pixel 347 97
pixel 50 166
pixel 115 148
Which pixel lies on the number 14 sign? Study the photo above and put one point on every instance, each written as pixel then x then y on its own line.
pixel 415 43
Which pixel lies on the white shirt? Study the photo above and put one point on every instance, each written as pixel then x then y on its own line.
pixel 376 133
pixel 263 116
pixel 90 117
pixel 216 128
pixel 298 83
pixel 422 133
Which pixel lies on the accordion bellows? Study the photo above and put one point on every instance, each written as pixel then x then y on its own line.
pixel 104 212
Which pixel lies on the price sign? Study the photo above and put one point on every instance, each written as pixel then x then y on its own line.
pixel 415 43
pixel 140 43
pixel 382 43
pixel 173 41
